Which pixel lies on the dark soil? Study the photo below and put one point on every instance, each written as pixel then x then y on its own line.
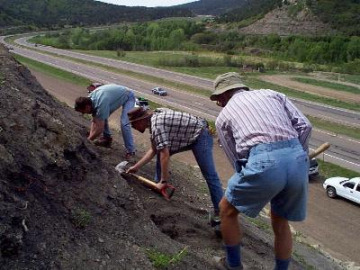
pixel 64 206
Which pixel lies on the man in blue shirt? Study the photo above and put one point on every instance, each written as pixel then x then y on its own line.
pixel 103 101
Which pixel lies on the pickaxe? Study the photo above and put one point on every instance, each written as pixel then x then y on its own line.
pixel 319 150
pixel 167 191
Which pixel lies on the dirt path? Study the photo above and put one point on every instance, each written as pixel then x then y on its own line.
pixel 67 92
pixel 287 81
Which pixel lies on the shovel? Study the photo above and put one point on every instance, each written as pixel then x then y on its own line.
pixel 167 191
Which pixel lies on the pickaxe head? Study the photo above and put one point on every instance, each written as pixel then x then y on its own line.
pixel 121 167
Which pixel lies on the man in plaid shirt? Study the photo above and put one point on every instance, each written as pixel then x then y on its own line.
pixel 173 132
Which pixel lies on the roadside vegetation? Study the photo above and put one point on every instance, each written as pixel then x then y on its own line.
pixel 52 71
pixel 330 170
pixel 256 83
pixel 336 129
pixel 331 85
pixel 328 53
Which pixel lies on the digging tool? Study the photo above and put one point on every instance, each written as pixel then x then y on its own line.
pixel 319 150
pixel 167 191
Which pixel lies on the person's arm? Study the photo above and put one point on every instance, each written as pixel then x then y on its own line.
pixel 145 159
pixel 164 161
pixel 300 123
pixel 97 127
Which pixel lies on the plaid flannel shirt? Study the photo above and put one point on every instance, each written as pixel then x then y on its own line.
pixel 175 130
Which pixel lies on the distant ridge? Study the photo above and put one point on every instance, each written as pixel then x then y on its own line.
pixel 60 13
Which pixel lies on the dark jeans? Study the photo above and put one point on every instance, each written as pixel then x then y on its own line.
pixel 202 150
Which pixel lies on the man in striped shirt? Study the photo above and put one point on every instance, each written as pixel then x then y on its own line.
pixel 172 132
pixel 266 138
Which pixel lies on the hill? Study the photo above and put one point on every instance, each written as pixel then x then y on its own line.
pixel 327 17
pixel 281 21
pixel 63 206
pixel 59 13
pixel 213 7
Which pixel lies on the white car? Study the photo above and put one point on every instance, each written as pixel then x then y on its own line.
pixel 343 187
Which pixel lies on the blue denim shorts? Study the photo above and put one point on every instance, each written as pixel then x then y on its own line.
pixel 276 173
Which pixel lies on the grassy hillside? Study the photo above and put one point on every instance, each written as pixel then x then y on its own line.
pixel 342 15
pixel 248 9
pixel 50 13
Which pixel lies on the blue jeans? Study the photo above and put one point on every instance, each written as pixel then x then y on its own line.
pixel 275 172
pixel 125 124
pixel 202 150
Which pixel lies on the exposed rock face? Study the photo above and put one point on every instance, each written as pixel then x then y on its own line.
pixel 279 22
pixel 61 205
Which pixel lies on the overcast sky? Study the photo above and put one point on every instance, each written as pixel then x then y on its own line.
pixel 148 3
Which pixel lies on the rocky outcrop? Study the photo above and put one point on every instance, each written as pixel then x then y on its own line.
pixel 280 22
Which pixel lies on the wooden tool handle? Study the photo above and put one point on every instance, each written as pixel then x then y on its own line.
pixel 319 150
pixel 146 181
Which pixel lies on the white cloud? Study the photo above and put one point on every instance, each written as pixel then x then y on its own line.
pixel 148 3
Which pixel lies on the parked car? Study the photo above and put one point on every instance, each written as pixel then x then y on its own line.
pixel 313 169
pixel 343 187
pixel 142 102
pixel 159 91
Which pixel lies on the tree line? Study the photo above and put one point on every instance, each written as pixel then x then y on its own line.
pixel 61 13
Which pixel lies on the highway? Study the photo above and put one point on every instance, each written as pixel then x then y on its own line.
pixel 344 151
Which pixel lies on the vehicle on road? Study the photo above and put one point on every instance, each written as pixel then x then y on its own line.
pixel 159 91
pixel 142 102
pixel 348 188
pixel 313 169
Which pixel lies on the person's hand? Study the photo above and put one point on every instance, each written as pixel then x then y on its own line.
pixel 161 184
pixel 132 169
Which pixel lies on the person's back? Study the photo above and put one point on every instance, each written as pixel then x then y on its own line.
pixel 102 101
pixel 108 98
pixel 175 129
pixel 258 116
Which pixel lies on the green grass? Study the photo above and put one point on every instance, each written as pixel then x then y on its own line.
pixel 152 59
pixel 335 128
pixel 162 260
pixel 255 83
pixel 330 170
pixel 81 218
pixel 342 77
pixel 141 76
pixel 52 71
pixel 335 86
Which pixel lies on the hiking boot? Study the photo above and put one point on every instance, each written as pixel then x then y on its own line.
pixel 129 155
pixel 221 264
pixel 104 142
pixel 215 222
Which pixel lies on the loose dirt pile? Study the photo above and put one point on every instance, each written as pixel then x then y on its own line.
pixel 63 205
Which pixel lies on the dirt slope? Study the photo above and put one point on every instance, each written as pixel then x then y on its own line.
pixel 63 206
